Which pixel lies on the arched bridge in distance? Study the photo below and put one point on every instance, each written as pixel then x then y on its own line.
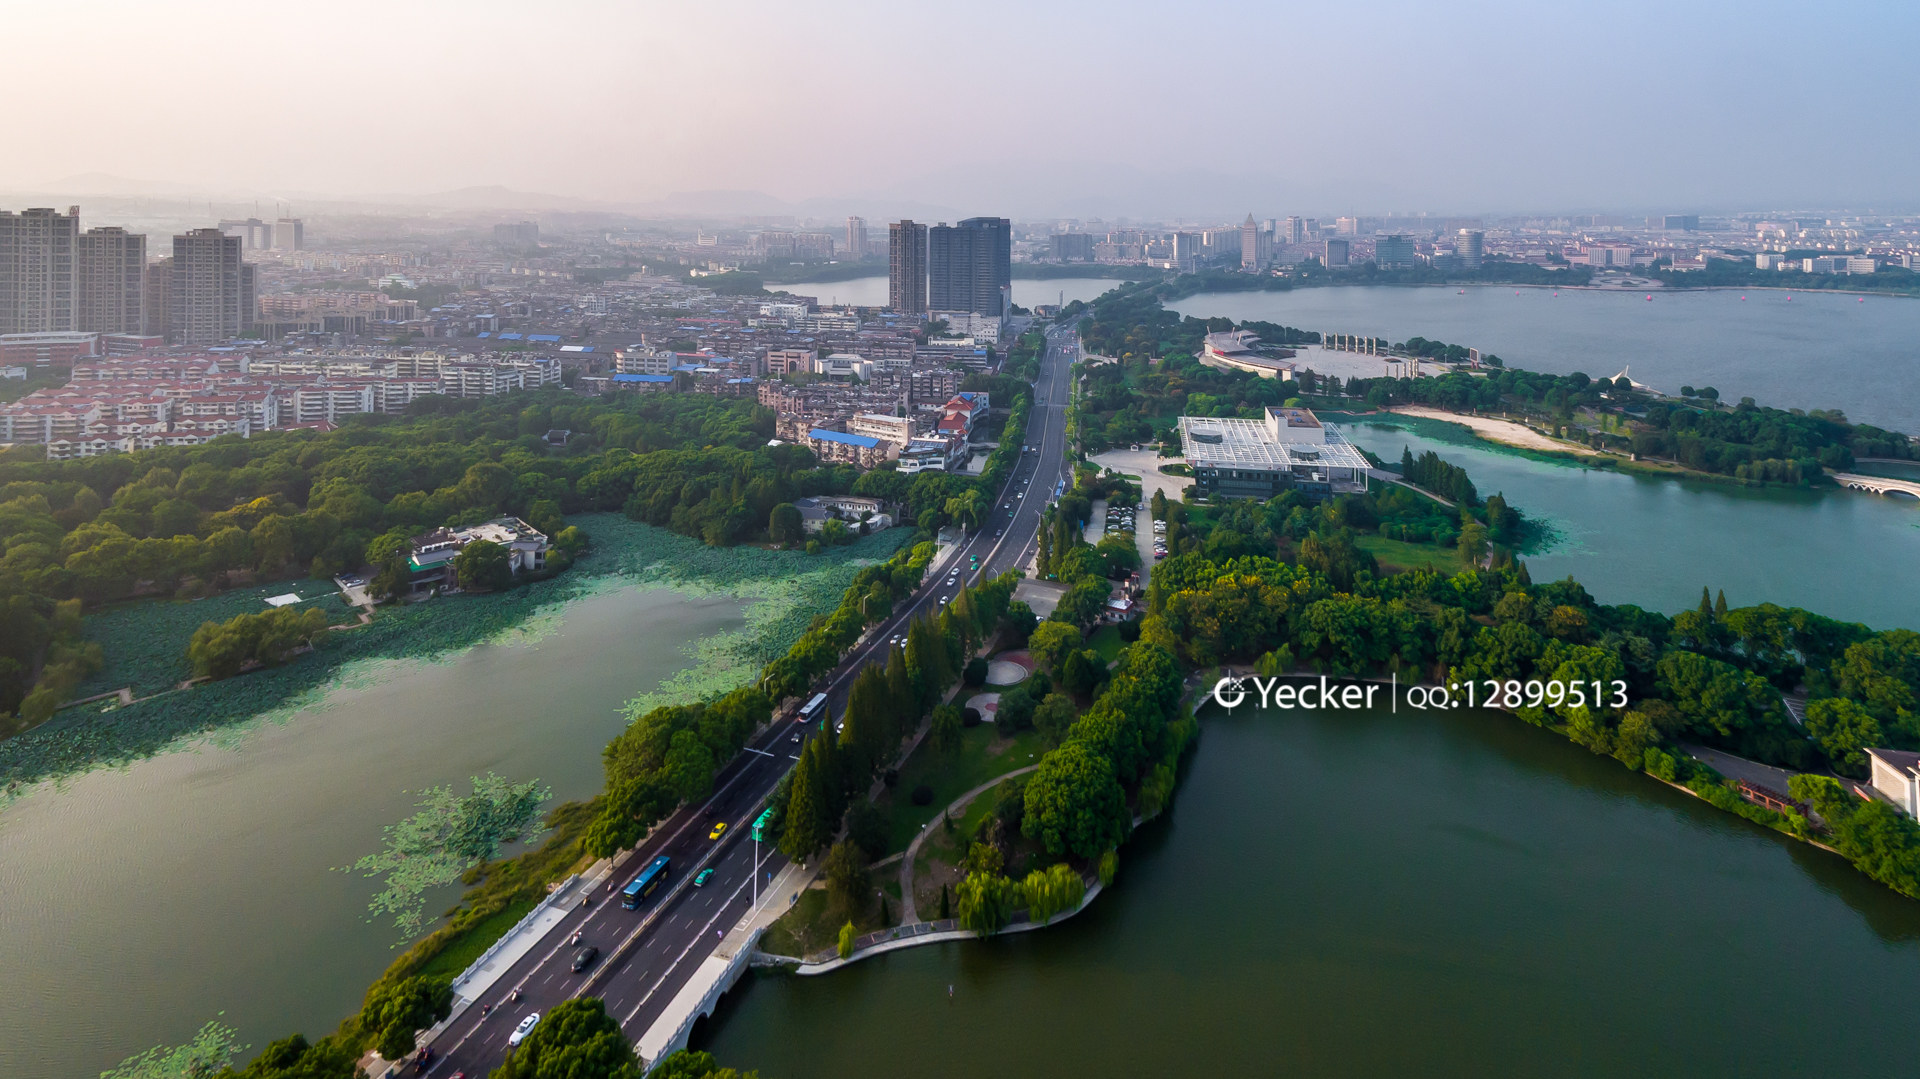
pixel 1879 485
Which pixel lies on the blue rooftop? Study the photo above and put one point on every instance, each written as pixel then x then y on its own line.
pixel 543 337
pixel 844 439
pixel 509 337
pixel 643 378
pixel 484 333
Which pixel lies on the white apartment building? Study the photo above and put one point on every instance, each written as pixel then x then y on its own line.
pixel 844 365
pixel 642 360
pixel 895 429
pixel 324 401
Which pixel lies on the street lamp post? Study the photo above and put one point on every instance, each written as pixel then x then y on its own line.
pixel 759 829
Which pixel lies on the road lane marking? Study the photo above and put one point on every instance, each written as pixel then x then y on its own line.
pixel 675 965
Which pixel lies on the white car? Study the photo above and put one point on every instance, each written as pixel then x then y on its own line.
pixel 525 1028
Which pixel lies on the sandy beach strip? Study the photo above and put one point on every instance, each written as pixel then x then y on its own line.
pixel 1503 431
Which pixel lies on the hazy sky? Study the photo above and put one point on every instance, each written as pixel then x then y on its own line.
pixel 1083 108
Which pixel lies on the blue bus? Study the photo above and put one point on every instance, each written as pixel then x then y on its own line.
pixel 643 885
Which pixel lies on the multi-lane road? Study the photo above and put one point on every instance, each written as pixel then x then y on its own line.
pixel 649 953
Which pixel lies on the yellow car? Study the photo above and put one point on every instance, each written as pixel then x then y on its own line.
pixel 718 830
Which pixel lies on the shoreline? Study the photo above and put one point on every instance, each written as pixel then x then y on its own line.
pixel 1505 432
pixel 1651 286
pixel 1489 429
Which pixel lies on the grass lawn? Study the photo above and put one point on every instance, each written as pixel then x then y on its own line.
pixel 470 945
pixel 1410 555
pixel 813 924
pixel 1106 642
pixel 983 754
pixel 805 929
pixel 945 849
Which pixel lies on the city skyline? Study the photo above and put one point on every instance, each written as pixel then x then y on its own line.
pixel 1392 107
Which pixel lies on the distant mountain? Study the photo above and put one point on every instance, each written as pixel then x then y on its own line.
pixel 726 204
pixel 497 197
pixel 107 184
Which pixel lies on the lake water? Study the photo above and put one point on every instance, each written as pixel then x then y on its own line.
pixel 1815 350
pixel 1654 541
pixel 140 902
pixel 872 291
pixel 1499 902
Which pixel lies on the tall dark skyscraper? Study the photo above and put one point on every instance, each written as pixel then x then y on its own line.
pixel 38 276
pixel 970 266
pixel 211 295
pixel 112 276
pixel 907 268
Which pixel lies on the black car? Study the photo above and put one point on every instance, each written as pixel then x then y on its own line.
pixel 584 958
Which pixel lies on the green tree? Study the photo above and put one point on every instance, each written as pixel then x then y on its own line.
pixel 688 767
pixel 928 661
pixel 483 566
pixel 968 510
pixel 1051 643
pixel 394 1011
pixel 1473 543
pixel 1844 731
pixel 576 1038
pixel 986 901
pixel 1015 711
pixel 1054 716
pixel 1053 890
pixel 847 935
pixel 1074 803
pixel 1081 672
pixel 846 872
pixel 687 1064
pixel 945 731
pixel 295 1058
pixel 223 649
pixel 784 524
pixel 807 824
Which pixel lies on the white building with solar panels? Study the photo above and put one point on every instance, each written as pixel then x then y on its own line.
pixel 1290 449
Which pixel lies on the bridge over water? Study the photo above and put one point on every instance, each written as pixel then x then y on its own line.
pixel 1879 485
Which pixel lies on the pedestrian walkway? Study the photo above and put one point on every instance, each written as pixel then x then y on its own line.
pixel 947 929
pixel 1096 526
pixel 908 913
pixel 524 937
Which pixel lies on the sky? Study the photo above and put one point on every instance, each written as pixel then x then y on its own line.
pixel 1189 111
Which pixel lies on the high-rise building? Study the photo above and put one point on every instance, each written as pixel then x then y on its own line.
pixel 1338 253
pixel 1470 247
pixel 1186 246
pixel 907 268
pixel 970 266
pixel 1393 252
pixel 159 300
pixel 1249 244
pixel 519 234
pixel 856 237
pixel 209 288
pixel 1072 247
pixel 255 234
pixel 289 234
pixel 1295 230
pixel 112 281
pixel 38 275
pixel 1346 226
pixel 1683 222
